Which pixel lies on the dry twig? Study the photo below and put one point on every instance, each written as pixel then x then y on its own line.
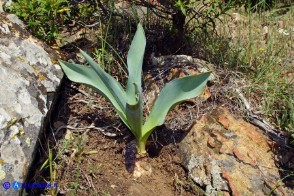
pixel 79 129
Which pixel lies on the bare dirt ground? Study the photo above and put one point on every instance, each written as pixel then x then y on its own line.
pixel 90 161
pixel 88 142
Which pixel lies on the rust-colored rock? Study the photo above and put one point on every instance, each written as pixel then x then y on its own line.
pixel 225 155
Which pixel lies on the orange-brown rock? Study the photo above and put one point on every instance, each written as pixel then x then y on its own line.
pixel 225 155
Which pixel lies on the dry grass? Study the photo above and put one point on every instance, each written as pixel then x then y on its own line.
pixel 260 46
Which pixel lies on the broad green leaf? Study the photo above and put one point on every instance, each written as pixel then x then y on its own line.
pixel 135 61
pixel 134 115
pixel 129 104
pixel 86 75
pixel 111 84
pixel 134 110
pixel 172 94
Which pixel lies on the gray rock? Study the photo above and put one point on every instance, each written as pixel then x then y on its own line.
pixel 136 11
pixel 175 60
pixel 29 76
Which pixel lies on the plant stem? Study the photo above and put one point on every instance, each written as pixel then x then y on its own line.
pixel 141 148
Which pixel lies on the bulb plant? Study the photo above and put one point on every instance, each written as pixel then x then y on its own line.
pixel 128 103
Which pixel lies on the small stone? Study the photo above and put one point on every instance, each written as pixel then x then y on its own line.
pixel 224 121
pixel 68 135
pixel 5 29
pixel 211 142
pixel 142 168
pixel 236 17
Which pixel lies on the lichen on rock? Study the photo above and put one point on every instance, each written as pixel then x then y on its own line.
pixel 26 98
pixel 230 156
